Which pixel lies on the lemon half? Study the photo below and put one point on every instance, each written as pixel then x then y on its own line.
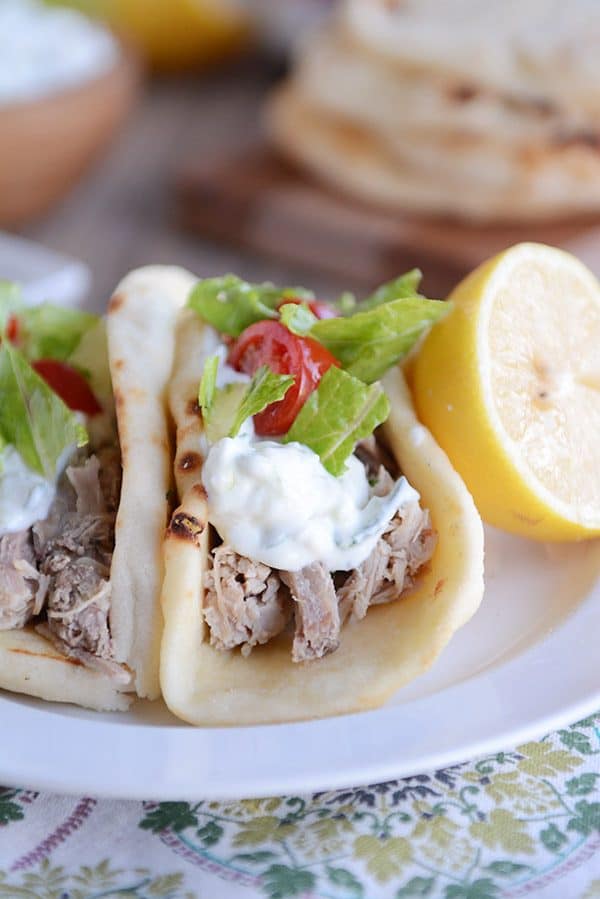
pixel 509 384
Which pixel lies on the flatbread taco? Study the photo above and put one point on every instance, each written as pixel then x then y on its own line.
pixel 324 550
pixel 85 469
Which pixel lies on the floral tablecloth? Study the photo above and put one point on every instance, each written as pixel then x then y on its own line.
pixel 522 822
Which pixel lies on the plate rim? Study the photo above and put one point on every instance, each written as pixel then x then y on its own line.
pixel 348 755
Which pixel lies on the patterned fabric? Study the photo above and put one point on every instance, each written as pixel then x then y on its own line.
pixel 518 823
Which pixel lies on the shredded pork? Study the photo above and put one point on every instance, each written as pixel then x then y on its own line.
pixel 62 564
pixel 390 570
pixel 247 603
pixel 316 612
pixel 76 556
pixel 244 601
pixel 22 587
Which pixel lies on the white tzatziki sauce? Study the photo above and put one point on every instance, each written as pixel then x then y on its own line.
pixel 45 50
pixel 276 503
pixel 25 495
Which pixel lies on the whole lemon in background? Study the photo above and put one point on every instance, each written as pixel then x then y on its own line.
pixel 173 34
pixel 509 384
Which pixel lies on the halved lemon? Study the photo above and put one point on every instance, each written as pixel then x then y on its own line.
pixel 509 384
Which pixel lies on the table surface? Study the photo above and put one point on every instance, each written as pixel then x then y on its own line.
pixel 526 821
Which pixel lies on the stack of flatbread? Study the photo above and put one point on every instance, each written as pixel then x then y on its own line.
pixel 483 111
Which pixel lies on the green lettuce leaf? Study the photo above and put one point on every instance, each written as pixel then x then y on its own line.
pixel 406 285
pixel 230 305
pixel 297 318
pixel 346 303
pixel 208 384
pixel 10 301
pixel 53 332
pixel 339 413
pixel 32 417
pixel 220 416
pixel 90 357
pixel 368 343
pixel 266 387
pixel 225 409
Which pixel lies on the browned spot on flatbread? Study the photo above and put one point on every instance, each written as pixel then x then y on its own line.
pixel 119 398
pixel 45 655
pixel 119 364
pixel 186 527
pixel 462 93
pixel 199 490
pixel 189 462
pixel 161 442
pixel 115 303
pixel 584 137
pixel 193 408
pixel 439 586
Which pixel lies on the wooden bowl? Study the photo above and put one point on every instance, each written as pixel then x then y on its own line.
pixel 47 144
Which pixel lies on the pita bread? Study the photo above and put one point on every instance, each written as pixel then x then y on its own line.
pixel 140 326
pixel 30 664
pixel 141 337
pixel 391 646
pixel 338 74
pixel 465 109
pixel 472 181
pixel 543 48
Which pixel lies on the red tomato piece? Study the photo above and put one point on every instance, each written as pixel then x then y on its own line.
pixel 69 384
pixel 13 328
pixel 317 307
pixel 270 343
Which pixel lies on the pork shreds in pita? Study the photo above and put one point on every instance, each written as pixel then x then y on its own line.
pixel 323 550
pixel 85 472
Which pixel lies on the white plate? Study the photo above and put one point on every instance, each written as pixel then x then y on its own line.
pixel 42 273
pixel 528 662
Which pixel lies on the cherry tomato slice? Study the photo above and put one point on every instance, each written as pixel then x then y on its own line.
pixel 270 343
pixel 13 328
pixel 317 307
pixel 69 384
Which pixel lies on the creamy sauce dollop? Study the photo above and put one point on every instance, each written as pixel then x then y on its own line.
pixel 277 504
pixel 25 495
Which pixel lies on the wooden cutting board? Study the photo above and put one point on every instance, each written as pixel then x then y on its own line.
pixel 255 200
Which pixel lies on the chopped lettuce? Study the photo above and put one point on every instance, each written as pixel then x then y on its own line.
pixel 369 338
pixel 225 409
pixel 297 318
pixel 45 331
pixel 208 384
pixel 53 332
pixel 406 285
pixel 90 357
pixel 266 387
pixel 10 302
pixel 230 305
pixel 32 417
pixel 346 303
pixel 339 413
pixel 220 416
pixel 368 343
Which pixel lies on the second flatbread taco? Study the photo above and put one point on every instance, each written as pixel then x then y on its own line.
pixel 324 550
pixel 85 471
